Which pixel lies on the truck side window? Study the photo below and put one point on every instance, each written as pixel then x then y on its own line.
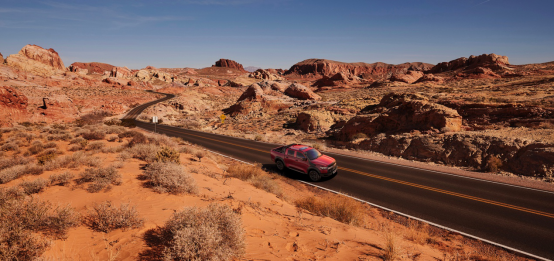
pixel 290 153
pixel 300 155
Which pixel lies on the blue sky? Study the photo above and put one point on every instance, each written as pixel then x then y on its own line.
pixel 279 33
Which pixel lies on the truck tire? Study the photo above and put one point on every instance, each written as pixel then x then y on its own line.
pixel 280 165
pixel 314 175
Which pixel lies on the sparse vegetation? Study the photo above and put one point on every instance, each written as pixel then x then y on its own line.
pixel 167 154
pixel 146 152
pixel 101 178
pixel 105 217
pixel 493 164
pixel 95 145
pixel 170 178
pixel 256 176
pixel 213 233
pixel 35 186
pixel 93 135
pixel 340 208
pixel 62 179
pixel 92 118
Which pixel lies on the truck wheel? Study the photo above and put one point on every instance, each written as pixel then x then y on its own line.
pixel 280 165
pixel 314 175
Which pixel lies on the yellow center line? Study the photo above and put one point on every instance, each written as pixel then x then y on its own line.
pixel 492 202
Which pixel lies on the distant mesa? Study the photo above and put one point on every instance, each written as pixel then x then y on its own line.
pixel 229 64
pixel 37 60
pixel 92 68
pixel 252 68
pixel 318 68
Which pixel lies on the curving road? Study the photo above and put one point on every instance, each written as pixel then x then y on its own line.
pixel 516 217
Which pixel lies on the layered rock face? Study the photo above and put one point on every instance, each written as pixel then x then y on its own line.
pixel 468 150
pixel 37 60
pixel 229 64
pixel 92 68
pixel 409 77
pixel 13 106
pixel 398 113
pixel 120 72
pixel 322 67
pixel 492 61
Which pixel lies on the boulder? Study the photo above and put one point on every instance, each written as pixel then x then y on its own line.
pixel 409 77
pixel 301 92
pixel 229 64
pixel 37 60
pixel 430 78
pixel 314 121
pixel 254 92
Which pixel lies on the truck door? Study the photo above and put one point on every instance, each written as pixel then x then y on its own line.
pixel 290 159
pixel 302 162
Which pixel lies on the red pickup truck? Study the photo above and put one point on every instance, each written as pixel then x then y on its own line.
pixel 304 159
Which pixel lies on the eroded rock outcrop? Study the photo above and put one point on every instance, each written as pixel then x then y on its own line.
pixel 37 60
pixel 322 67
pixel 265 75
pixel 398 113
pixel 429 77
pixel 229 64
pixel 13 106
pixel 120 72
pixel 91 68
pixel 301 92
pixel 409 77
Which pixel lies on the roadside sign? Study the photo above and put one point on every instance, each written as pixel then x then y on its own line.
pixel 222 117
pixel 155 119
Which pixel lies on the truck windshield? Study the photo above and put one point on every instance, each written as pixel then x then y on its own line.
pixel 313 154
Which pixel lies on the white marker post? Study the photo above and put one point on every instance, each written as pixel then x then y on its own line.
pixel 155 121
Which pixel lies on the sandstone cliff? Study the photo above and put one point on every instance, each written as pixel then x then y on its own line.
pixel 37 60
pixel 92 68
pixel 491 61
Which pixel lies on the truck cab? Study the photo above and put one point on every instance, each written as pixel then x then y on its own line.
pixel 304 159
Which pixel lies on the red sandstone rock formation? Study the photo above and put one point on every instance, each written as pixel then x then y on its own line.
pixel 120 72
pixel 229 64
pixel 37 60
pixel 321 67
pixel 93 68
pixel 1 59
pixel 491 61
pixel 13 106
pixel 265 75
pixel 402 113
pixel 429 77
pixel 301 92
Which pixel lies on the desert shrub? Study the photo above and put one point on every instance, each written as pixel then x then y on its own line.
pixel 78 140
pixel 17 171
pixel 319 146
pixel 258 137
pixel 10 146
pixel 162 140
pixel 170 178
pixel 340 208
pixel 266 183
pixel 112 138
pixel 6 162
pixel 95 145
pixel 105 217
pixel 493 164
pixel 36 148
pixel 359 136
pixel 23 219
pixel 62 179
pixel 93 135
pixel 115 129
pixel 212 233
pixel 391 251
pixel 35 186
pixel 92 118
pixel 101 178
pixel 47 156
pixel 187 150
pixel 245 171
pixel 200 154
pixel 63 136
pixel 146 152
pixel 167 154
pixel 136 137
pixel 50 145
pixel 113 121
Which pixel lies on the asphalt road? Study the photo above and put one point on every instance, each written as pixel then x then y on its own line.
pixel 516 217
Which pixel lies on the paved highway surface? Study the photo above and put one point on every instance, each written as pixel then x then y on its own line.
pixel 516 217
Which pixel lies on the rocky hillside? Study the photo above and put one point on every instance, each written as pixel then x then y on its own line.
pixel 37 60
